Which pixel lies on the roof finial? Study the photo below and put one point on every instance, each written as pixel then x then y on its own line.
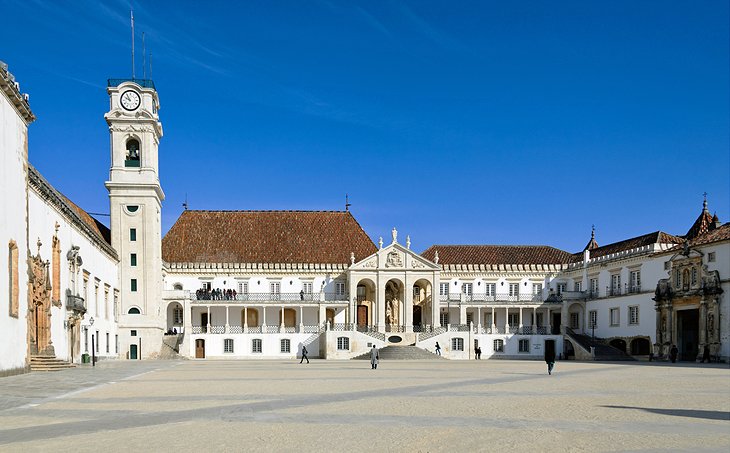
pixel 436 257
pixel 380 242
pixel 593 231
pixel 394 233
pixel 704 203
pixel 347 202
pixel 185 204
pixel 408 242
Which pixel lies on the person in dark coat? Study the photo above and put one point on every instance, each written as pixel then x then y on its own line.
pixel 304 354
pixel 438 348
pixel 673 353
pixel 550 359
pixel 374 358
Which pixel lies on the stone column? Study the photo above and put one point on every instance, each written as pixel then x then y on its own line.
pixel 534 320
pixel 301 319
pixel 506 319
pixel 380 304
pixel 479 319
pixel 549 323
pixel 322 315
pixel 520 326
pixel 670 327
pixel 494 321
pixel 207 326
pixel 281 319
pixel 564 317
pixel 462 313
pixel 702 327
pixel 408 304
pixel 435 301
pixel 227 327
pixel 245 318
pixel 659 336
pixel 263 318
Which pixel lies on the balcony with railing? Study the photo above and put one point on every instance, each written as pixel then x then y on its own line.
pixel 75 303
pixel 200 296
pixel 492 298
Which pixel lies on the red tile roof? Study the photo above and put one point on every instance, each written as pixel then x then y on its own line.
pixel 326 237
pixel 702 225
pixel 96 227
pixel 718 234
pixel 497 254
pixel 652 238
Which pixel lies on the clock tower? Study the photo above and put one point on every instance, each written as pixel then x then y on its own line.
pixel 135 198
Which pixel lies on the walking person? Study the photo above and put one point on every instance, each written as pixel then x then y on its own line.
pixel 438 348
pixel 550 359
pixel 478 353
pixel 374 358
pixel 304 354
pixel 673 353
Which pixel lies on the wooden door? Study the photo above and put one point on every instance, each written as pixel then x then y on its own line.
pixel 199 349
pixel 132 352
pixel 204 322
pixel 362 315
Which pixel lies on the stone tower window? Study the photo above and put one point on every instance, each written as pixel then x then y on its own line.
pixel 133 153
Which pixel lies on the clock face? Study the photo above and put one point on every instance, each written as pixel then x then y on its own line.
pixel 130 100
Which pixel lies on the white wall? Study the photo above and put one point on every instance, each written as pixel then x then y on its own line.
pixel 102 269
pixel 13 204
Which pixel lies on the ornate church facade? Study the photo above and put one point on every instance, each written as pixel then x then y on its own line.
pixel 265 284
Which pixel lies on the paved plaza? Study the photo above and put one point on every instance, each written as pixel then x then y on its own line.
pixel 345 406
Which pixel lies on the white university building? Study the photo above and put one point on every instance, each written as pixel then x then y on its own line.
pixel 265 284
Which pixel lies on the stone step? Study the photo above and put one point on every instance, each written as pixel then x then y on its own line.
pixel 402 353
pixel 49 363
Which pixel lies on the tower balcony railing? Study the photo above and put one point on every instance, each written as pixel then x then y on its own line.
pixel 144 83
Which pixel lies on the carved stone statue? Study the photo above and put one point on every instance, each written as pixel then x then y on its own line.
pixel 394 232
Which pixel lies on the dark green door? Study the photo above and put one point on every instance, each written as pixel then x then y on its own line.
pixel 133 352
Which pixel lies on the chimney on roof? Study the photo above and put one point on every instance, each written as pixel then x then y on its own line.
pixel 716 221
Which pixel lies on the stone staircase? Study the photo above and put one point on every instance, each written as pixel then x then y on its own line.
pixel 601 350
pixel 171 347
pixel 48 363
pixel 401 353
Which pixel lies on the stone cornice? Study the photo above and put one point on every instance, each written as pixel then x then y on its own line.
pixel 44 189
pixel 12 90
pixel 501 268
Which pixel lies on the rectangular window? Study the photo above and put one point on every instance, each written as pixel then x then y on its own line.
pixel 615 284
pixel 574 321
pixel 275 289
pixel 561 288
pixel 307 287
pixel 514 289
pixel 256 346
pixel 677 278
pixel 133 259
pixel 592 318
pixel 513 319
pixel 96 340
pixel 466 288
pixel 578 286
pixel 339 289
pixel 285 345
pixel 133 333
pixel 343 344
pixel 444 289
pixel 594 287
pixel 694 276
pixel 491 289
pixel 177 316
pixel 134 285
pixel 469 318
pixel 635 281
pixel 525 345
pixel 711 257
pixel 107 342
pixel 132 234
pixel 242 287
pixel 614 316
pixel 116 344
pixel 444 318
pixel 457 344
pixel 228 346
pixel 634 314
pixel 498 345
pixel 537 289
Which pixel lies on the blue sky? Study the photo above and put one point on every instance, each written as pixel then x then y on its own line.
pixel 456 122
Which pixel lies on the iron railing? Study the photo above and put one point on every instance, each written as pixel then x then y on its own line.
pixel 144 83
pixel 499 298
pixel 269 297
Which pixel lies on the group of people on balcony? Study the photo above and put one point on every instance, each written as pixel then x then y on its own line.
pixel 215 294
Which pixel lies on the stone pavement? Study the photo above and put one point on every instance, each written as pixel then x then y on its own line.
pixel 489 405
